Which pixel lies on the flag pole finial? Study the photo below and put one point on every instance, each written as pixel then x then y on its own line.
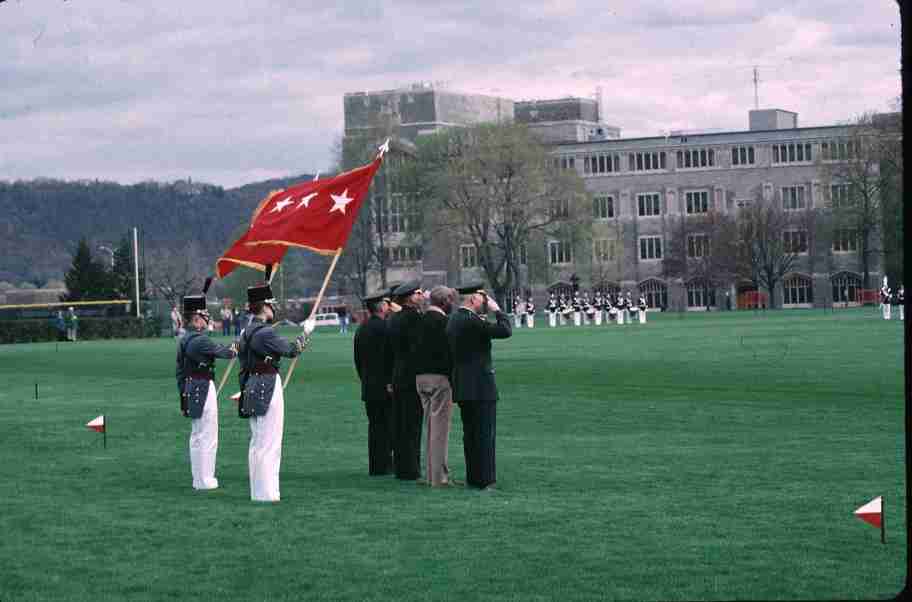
pixel 384 148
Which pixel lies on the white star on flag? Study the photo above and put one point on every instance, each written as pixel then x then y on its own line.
pixel 305 201
pixel 281 205
pixel 340 200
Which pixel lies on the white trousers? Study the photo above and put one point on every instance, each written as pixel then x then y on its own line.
pixel 886 311
pixel 552 320
pixel 642 316
pixel 516 320
pixel 204 443
pixel 902 312
pixel 562 319
pixel 530 320
pixel 620 317
pixel 265 453
pixel 576 318
pixel 598 318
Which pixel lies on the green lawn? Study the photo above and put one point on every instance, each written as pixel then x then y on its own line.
pixel 700 457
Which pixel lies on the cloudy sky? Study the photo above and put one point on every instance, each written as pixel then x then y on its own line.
pixel 230 92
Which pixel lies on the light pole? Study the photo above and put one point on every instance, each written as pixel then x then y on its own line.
pixel 108 250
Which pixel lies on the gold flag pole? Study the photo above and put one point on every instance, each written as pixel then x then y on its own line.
pixel 313 312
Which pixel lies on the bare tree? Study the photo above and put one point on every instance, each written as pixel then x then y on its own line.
pixel 852 168
pixel 495 186
pixel 764 254
pixel 173 274
pixel 702 247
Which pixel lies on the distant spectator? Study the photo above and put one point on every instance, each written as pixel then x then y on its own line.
pixel 343 320
pixel 227 318
pixel 60 325
pixel 72 325
pixel 237 322
pixel 176 322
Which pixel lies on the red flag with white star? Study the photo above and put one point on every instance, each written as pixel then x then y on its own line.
pixel 316 215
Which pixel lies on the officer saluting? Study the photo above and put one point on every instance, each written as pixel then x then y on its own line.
pixel 407 411
pixel 374 364
pixel 196 354
pixel 262 396
pixel 469 335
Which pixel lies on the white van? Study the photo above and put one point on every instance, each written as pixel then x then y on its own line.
pixel 327 319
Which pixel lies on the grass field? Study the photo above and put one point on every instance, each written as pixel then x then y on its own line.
pixel 700 457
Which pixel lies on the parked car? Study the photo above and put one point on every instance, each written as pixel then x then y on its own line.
pixel 327 319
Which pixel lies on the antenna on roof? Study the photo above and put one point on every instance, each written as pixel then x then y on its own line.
pixel 756 94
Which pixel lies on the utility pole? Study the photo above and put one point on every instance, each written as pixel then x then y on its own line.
pixel 136 266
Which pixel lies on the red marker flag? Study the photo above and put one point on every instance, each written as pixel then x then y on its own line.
pixel 98 424
pixel 872 512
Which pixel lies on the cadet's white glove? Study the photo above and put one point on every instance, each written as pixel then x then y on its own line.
pixel 309 326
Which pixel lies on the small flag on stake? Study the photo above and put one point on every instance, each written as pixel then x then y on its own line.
pixel 872 513
pixel 97 424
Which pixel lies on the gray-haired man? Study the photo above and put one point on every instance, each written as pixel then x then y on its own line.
pixel 432 379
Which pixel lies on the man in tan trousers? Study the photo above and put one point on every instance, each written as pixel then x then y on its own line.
pixel 432 370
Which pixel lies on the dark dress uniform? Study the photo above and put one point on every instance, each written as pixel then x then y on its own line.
pixel 374 364
pixel 474 389
pixel 407 412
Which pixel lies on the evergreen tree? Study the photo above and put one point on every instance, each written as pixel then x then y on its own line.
pixel 122 273
pixel 87 279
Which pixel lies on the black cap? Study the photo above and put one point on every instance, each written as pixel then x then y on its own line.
pixel 392 289
pixel 260 294
pixel 372 300
pixel 407 288
pixel 195 304
pixel 477 287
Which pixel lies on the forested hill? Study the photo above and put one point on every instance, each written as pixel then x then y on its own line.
pixel 42 220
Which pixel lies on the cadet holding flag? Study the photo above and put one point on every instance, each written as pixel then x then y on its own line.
pixel 374 364
pixel 196 354
pixel 469 334
pixel 262 396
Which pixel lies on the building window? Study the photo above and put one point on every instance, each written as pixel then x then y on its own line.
pixel 646 161
pixel 397 213
pixel 650 247
pixel 603 249
pixel 839 195
pixel 845 240
pixel 560 208
pixel 792 153
pixel 603 207
pixel 699 294
pixel 793 198
pixel 696 157
pixel 846 287
pixel 697 245
pixel 601 163
pixel 523 258
pixel 840 150
pixel 697 201
pixel 795 241
pixel 797 290
pixel 567 162
pixel 648 204
pixel 742 155
pixel 656 293
pixel 559 252
pixel 468 256
pixel 403 254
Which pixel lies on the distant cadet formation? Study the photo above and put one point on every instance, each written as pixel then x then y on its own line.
pixel 888 298
pixel 608 309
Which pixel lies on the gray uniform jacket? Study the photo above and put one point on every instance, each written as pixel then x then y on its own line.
pixel 196 355
pixel 261 350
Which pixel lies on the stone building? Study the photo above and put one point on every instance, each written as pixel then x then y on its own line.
pixel 639 188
